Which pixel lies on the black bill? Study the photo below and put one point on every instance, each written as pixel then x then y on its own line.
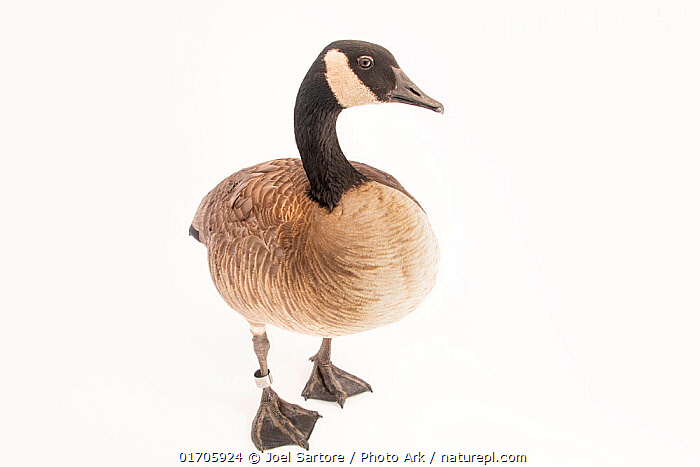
pixel 408 93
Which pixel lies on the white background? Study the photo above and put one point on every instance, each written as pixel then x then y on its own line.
pixel 561 182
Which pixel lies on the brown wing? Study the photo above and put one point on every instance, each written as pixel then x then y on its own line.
pixel 252 201
pixel 382 177
pixel 249 223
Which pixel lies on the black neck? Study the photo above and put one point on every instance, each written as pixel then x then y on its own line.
pixel 315 115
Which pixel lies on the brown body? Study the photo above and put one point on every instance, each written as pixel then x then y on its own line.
pixel 279 258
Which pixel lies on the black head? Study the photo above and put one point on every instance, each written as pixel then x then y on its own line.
pixel 345 74
pixel 360 73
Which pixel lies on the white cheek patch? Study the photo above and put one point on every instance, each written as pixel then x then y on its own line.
pixel 347 88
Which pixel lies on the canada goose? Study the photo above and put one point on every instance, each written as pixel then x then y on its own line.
pixel 320 245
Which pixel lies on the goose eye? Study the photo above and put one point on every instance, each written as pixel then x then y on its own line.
pixel 365 62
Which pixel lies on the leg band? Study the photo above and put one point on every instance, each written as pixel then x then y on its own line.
pixel 262 381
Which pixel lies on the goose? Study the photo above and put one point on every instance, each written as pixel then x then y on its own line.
pixel 320 245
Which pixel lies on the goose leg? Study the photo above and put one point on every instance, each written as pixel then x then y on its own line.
pixel 277 423
pixel 328 382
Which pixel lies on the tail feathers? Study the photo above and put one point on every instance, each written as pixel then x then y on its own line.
pixel 194 232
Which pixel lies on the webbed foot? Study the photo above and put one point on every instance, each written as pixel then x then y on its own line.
pixel 279 423
pixel 328 382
